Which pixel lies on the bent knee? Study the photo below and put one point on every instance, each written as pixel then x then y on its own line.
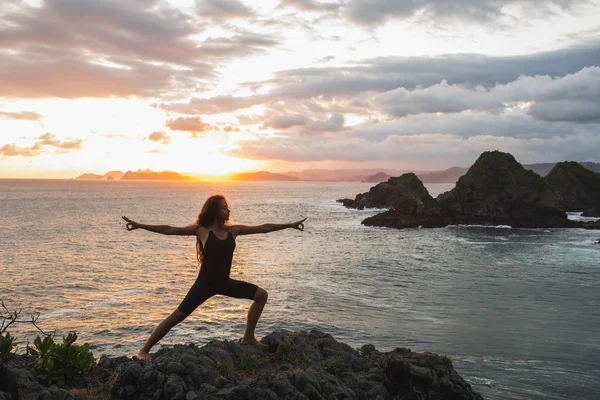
pixel 177 316
pixel 261 296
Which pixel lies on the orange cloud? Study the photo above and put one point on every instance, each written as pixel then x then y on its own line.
pixel 194 125
pixel 159 136
pixel 12 150
pixel 23 115
pixel 49 139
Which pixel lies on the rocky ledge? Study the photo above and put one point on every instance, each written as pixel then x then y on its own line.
pixel 291 365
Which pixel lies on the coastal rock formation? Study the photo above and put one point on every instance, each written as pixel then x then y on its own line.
pixel 298 365
pixel 405 193
pixel 576 187
pixel 496 190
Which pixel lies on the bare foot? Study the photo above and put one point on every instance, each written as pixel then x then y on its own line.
pixel 252 341
pixel 144 356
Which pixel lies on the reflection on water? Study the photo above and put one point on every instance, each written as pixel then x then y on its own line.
pixel 517 310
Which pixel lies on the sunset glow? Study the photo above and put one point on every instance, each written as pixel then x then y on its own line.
pixel 213 87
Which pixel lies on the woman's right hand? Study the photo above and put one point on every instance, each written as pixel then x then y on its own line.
pixel 131 225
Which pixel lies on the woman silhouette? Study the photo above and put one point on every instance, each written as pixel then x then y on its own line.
pixel 215 243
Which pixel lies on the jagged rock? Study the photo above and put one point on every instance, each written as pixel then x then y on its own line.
pixel 317 367
pixel 15 378
pixel 498 190
pixel 406 194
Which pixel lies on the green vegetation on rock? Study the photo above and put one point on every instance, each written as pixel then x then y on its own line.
pixel 59 363
pixel 6 345
pixel 576 187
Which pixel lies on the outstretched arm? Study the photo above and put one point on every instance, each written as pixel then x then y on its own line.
pixel 164 229
pixel 266 228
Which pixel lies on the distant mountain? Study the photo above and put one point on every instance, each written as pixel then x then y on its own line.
pixel 262 176
pixel 449 175
pixel 379 177
pixel 148 175
pixel 341 175
pixel 113 175
pixel 371 175
pixel 89 177
pixel 110 176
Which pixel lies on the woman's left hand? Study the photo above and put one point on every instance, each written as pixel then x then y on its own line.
pixel 131 225
pixel 298 225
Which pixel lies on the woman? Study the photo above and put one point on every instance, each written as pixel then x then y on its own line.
pixel 215 243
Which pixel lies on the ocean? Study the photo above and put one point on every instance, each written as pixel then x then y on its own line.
pixel 517 310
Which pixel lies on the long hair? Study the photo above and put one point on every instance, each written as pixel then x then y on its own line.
pixel 207 217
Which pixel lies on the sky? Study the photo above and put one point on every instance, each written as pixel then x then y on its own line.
pixel 219 86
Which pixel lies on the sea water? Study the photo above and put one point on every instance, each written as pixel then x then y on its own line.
pixel 517 310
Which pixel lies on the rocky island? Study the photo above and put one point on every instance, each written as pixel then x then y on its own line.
pixel 496 190
pixel 291 365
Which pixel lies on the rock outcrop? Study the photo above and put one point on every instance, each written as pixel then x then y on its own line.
pixel 292 365
pixel 405 193
pixel 496 190
pixel 575 187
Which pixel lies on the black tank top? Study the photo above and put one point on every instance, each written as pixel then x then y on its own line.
pixel 217 255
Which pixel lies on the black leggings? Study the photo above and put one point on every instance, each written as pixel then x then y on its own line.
pixel 202 291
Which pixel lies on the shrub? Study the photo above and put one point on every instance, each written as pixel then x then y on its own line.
pixel 59 363
pixel 6 345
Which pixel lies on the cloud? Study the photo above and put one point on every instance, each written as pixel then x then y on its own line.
pixel 310 5
pixel 194 125
pixel 436 98
pixel 12 150
pixel 353 89
pixel 73 48
pixel 574 97
pixel 221 10
pixel 253 119
pixel 159 136
pixel 418 151
pixel 48 140
pixel 23 115
pixel 516 124
pixel 213 105
pixel 143 30
pixel 335 123
pixel 484 12
pixel 236 46
pixel 305 125
pixel 285 121
pixel 388 73
pixel 562 110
